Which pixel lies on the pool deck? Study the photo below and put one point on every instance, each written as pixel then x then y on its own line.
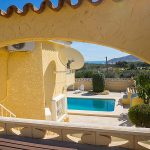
pixel 117 118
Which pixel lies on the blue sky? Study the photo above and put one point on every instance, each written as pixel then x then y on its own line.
pixel 20 3
pixel 91 52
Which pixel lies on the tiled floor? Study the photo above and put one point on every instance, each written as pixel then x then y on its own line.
pixel 100 121
pixel 21 143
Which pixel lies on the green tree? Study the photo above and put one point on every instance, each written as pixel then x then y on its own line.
pixel 98 82
pixel 143 87
pixel 88 74
pixel 122 64
pixel 132 66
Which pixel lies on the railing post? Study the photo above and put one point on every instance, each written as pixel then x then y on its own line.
pixel 5 112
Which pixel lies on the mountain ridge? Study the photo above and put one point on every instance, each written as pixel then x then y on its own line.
pixel 128 58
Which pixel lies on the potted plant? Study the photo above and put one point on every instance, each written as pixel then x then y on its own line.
pixel 139 115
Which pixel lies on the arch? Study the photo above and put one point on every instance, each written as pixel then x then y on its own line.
pixel 124 25
pixel 49 82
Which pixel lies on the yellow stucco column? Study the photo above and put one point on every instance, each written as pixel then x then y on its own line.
pixel 3 73
pixel 24 78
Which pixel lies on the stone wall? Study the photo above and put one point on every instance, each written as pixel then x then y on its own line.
pixel 111 84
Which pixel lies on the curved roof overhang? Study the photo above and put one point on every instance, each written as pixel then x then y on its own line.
pixel 120 24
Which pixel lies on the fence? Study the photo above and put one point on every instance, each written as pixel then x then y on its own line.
pixel 111 84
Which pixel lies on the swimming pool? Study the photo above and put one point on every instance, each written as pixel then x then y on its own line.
pixel 91 104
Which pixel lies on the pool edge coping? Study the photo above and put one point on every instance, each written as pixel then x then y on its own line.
pixel 116 113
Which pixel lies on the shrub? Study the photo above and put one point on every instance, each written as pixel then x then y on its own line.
pixel 84 74
pixel 98 82
pixel 79 74
pixel 128 73
pixel 110 74
pixel 132 66
pixel 122 64
pixel 88 74
pixel 140 115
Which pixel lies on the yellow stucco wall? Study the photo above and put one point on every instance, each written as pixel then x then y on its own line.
pixel 70 78
pixel 3 73
pixel 24 84
pixel 124 25
pixel 54 73
pixel 29 80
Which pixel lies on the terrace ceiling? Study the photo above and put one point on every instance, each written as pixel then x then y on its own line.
pixel 121 24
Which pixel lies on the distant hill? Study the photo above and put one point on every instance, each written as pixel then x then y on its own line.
pixel 128 58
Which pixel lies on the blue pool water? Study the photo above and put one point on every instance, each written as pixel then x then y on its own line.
pixel 91 104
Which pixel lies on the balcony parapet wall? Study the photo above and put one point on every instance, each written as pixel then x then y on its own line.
pixel 128 137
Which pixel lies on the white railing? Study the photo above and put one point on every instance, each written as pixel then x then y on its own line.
pixel 4 112
pixel 127 137
pixel 59 108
